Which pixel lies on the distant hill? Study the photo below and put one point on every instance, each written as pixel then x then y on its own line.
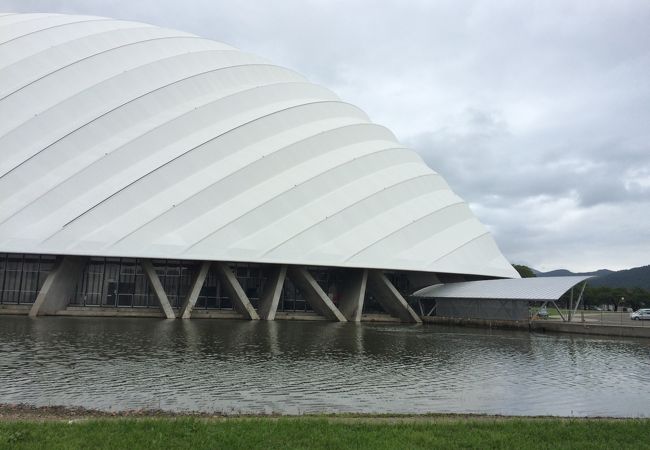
pixel 630 278
pixel 568 273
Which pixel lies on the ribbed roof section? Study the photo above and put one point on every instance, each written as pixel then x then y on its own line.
pixel 124 139
pixel 541 289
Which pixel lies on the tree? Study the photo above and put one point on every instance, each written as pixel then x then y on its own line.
pixel 604 295
pixel 524 271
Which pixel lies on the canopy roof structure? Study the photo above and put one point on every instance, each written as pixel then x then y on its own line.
pixel 124 139
pixel 542 289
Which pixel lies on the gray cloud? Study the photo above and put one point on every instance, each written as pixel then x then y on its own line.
pixel 537 113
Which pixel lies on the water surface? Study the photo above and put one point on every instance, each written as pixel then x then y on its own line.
pixel 230 366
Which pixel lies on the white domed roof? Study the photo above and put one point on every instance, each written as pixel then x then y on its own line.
pixel 124 139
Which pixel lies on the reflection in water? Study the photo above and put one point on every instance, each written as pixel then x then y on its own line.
pixel 295 367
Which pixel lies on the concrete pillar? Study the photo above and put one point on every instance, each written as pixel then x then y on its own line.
pixel 353 293
pixel 389 298
pixel 237 294
pixel 318 299
pixel 158 289
pixel 271 295
pixel 195 290
pixel 59 286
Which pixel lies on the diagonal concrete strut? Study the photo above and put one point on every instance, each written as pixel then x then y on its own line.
pixel 158 289
pixel 240 299
pixel 314 294
pixel 195 290
pixel 272 291
pixel 353 293
pixel 389 297
pixel 59 286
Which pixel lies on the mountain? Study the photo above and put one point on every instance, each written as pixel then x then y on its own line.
pixel 629 278
pixel 568 273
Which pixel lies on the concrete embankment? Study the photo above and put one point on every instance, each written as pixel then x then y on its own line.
pixel 156 313
pixel 14 310
pixel 547 325
pixel 591 328
pixel 477 323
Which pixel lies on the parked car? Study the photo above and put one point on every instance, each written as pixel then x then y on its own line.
pixel 542 313
pixel 641 314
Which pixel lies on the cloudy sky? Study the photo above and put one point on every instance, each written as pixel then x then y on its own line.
pixel 537 113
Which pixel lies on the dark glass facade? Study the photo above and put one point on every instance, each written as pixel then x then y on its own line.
pixel 122 282
pixel 22 276
pixel 291 299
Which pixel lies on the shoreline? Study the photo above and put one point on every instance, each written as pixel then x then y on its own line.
pixel 554 326
pixel 30 413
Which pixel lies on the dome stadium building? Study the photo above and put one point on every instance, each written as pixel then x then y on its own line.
pixel 150 172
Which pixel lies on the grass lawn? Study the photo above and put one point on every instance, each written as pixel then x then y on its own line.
pixel 408 432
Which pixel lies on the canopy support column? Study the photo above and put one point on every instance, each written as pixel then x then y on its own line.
pixel 579 297
pixel 558 310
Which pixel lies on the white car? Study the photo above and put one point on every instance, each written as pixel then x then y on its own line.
pixel 542 313
pixel 641 314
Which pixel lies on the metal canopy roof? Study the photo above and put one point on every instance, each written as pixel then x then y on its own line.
pixel 531 289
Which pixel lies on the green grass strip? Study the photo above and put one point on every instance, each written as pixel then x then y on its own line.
pixel 326 433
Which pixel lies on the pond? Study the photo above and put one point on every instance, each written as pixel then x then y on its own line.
pixel 292 367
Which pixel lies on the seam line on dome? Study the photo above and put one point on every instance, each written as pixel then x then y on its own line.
pixel 354 204
pixel 403 227
pixel 460 246
pixel 195 148
pixel 77 39
pixel 247 165
pixel 110 79
pixel 93 56
pixel 133 100
pixel 27 17
pixel 331 169
pixel 129 71
pixel 151 130
pixel 99 19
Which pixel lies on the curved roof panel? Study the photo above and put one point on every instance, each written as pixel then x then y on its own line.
pixel 529 289
pixel 125 139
